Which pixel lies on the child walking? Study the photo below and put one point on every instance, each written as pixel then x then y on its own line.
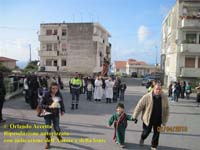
pixel 89 90
pixel 120 119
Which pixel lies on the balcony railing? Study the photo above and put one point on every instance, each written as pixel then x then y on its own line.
pixel 48 53
pixel 44 38
pixel 51 68
pixel 97 38
pixel 190 48
pixel 190 72
pixel 190 23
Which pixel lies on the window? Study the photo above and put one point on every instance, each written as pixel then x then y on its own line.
pixel 190 62
pixel 191 38
pixel 64 46
pixel 55 63
pixel 55 46
pixel 64 32
pixel 48 32
pixel 55 32
pixel 48 62
pixel 199 63
pixel 63 62
pixel 199 38
pixel 198 13
pixel 49 47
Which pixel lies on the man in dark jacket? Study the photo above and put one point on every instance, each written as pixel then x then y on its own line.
pixel 2 96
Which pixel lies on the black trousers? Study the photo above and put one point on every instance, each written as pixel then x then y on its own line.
pixel 1 107
pixel 89 95
pixel 147 130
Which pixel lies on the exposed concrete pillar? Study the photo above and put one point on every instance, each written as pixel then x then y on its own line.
pixel 196 62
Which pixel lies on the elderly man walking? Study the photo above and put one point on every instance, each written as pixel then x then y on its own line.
pixel 155 111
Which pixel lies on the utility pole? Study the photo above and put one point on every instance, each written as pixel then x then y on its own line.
pixel 156 55
pixel 156 58
pixel 30 52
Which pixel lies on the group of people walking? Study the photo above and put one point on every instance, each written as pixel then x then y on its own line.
pixel 111 89
pixel 178 90
pixel 34 85
pixel 45 92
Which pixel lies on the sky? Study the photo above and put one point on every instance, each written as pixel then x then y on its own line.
pixel 135 25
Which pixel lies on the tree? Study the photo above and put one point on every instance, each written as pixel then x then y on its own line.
pixel 4 69
pixel 31 66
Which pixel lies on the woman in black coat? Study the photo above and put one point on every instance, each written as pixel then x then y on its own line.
pixel 2 96
pixel 53 104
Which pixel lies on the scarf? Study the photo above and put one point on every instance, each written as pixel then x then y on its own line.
pixel 117 122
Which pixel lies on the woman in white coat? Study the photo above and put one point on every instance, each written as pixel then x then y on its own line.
pixel 98 89
pixel 109 90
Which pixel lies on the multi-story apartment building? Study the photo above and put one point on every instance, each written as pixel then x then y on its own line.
pixel 180 50
pixel 73 47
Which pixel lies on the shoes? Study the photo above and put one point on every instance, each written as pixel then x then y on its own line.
pixel 141 142
pixel 122 145
pixel 47 146
pixel 153 148
pixel 59 138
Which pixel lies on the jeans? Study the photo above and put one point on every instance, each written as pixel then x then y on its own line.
pixel 122 95
pixel 89 95
pixel 49 119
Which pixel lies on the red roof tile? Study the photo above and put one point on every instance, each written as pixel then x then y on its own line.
pixel 4 59
pixel 135 62
pixel 120 64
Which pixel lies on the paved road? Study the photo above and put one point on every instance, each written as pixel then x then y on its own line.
pixel 90 121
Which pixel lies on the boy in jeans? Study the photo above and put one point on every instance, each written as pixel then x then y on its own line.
pixel 89 90
pixel 120 119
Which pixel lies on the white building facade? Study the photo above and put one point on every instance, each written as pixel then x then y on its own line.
pixel 132 65
pixel 73 47
pixel 180 50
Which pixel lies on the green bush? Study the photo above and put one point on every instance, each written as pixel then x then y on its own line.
pixel 4 69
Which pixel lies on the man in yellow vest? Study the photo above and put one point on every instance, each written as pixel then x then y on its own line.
pixel 75 85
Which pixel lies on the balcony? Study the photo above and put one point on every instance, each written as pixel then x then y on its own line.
pixel 190 72
pixel 48 53
pixel 190 23
pixel 51 68
pixel 97 38
pixel 190 48
pixel 62 53
pixel 48 38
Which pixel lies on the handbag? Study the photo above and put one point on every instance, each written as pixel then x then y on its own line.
pixel 41 112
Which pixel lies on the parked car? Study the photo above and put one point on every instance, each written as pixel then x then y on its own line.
pixel 149 79
pixel 146 79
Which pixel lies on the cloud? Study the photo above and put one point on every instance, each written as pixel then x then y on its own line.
pixel 143 49
pixel 143 33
